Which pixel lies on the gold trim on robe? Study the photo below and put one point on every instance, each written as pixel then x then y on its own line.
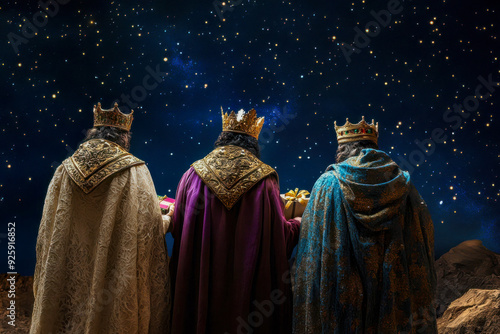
pixel 230 171
pixel 96 160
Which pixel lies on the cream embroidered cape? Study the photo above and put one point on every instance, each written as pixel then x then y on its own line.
pixel 101 258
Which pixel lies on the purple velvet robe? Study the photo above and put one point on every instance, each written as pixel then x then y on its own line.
pixel 230 268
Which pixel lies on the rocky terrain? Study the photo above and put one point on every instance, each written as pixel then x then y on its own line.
pixel 477 311
pixel 24 303
pixel 469 265
pixel 468 293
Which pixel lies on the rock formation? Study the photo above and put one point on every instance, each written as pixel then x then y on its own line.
pixel 477 311
pixel 469 265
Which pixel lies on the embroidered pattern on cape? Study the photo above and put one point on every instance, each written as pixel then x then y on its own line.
pixel 95 161
pixel 230 171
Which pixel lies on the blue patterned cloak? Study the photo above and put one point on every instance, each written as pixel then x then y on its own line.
pixel 365 260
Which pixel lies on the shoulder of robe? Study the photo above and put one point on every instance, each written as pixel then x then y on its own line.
pixel 230 171
pixel 415 196
pixel 328 178
pixel 95 161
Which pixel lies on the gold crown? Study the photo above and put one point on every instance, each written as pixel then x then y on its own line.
pixel 353 132
pixel 112 117
pixel 242 122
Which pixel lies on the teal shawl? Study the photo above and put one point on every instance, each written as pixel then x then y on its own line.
pixel 365 260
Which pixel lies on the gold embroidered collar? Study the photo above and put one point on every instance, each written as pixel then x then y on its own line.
pixel 230 171
pixel 96 160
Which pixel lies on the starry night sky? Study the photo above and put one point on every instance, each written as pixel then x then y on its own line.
pixel 287 60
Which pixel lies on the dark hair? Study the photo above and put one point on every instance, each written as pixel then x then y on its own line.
pixel 239 139
pixel 116 135
pixel 353 149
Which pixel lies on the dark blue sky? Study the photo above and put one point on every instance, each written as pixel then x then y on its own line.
pixel 279 57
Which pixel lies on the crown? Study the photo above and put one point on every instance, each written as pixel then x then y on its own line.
pixel 112 117
pixel 353 132
pixel 242 122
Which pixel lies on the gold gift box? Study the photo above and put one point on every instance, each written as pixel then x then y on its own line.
pixel 295 203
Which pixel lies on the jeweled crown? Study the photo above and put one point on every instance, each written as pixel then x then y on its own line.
pixel 112 117
pixel 242 122
pixel 353 132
